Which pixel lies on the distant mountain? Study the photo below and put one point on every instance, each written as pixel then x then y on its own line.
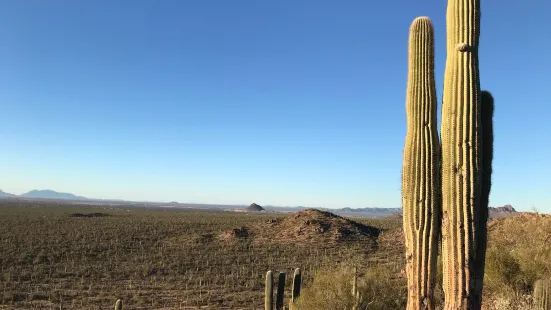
pixel 346 211
pixel 373 210
pixel 495 213
pixel 254 208
pixel 6 195
pixel 50 194
pixel 71 198
pixel 505 208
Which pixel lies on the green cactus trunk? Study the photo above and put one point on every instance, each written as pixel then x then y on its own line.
pixel 280 291
pixel 542 295
pixel 463 223
pixel 297 279
pixel 420 173
pixel 269 291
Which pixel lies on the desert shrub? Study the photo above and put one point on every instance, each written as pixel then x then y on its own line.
pixel 504 301
pixel 330 289
pixel 518 254
pixel 379 288
pixel 503 272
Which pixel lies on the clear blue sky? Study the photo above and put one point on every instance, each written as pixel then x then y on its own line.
pixel 286 102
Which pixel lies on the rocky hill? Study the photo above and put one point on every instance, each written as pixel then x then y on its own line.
pixel 495 213
pixel 254 208
pixel 307 228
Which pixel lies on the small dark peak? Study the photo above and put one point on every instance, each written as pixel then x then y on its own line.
pixel 495 213
pixel 505 208
pixel 254 208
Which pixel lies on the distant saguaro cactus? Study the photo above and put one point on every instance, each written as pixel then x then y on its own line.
pixel 269 291
pixel 542 295
pixel 280 291
pixel 421 171
pixel 118 304
pixel 355 291
pixel 297 280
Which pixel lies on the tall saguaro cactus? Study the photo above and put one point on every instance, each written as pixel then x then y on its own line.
pixel 463 222
pixel 420 172
pixel 465 165
pixel 269 291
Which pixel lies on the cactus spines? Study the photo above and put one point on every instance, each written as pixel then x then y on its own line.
pixel 462 155
pixel 280 291
pixel 297 279
pixel 542 295
pixel 269 291
pixel 118 304
pixel 420 172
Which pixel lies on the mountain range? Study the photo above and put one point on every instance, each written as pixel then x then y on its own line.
pixel 43 194
pixel 494 212
pixel 6 195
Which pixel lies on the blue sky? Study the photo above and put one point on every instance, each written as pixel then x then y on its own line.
pixel 286 102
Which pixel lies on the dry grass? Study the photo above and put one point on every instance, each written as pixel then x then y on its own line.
pixel 151 258
pixel 380 287
pixel 519 253
pixel 510 302
pixel 175 259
